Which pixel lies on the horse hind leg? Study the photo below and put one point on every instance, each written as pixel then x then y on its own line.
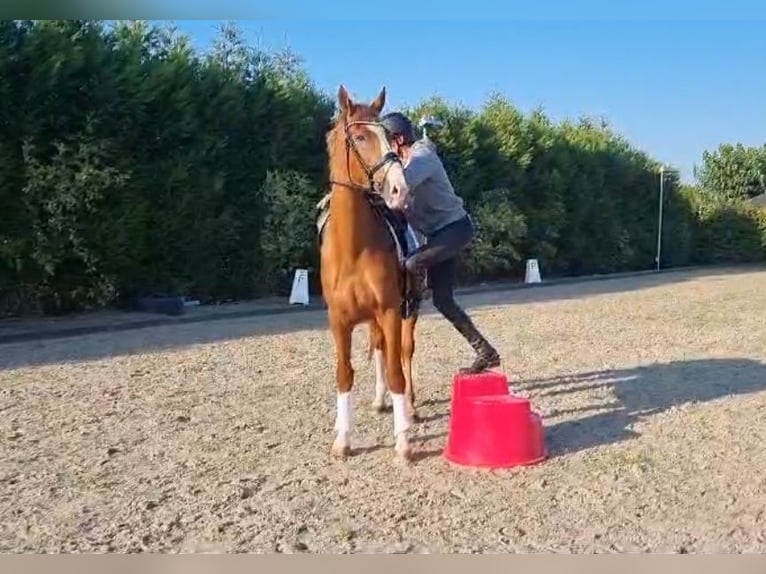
pixel 344 377
pixel 376 350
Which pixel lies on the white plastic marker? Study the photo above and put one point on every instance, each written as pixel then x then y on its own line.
pixel 533 272
pixel 300 291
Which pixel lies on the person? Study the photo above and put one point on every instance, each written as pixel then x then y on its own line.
pixel 433 209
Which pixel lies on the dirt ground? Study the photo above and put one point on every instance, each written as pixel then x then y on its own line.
pixel 215 437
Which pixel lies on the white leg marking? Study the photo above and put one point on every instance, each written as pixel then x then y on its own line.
pixel 343 420
pixel 380 380
pixel 402 423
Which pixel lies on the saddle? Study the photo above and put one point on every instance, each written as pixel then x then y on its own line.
pixel 402 234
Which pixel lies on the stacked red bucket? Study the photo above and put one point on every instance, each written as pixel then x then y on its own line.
pixel 490 427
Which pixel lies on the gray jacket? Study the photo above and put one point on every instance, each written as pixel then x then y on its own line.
pixel 432 202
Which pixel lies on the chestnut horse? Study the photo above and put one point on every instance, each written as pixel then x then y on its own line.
pixel 361 275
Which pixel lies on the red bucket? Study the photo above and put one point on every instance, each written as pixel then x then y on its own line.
pixel 479 384
pixel 492 429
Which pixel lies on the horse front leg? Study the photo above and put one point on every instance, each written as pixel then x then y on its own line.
pixel 344 377
pixel 408 351
pixel 391 325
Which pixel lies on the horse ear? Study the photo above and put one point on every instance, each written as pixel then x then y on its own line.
pixel 346 104
pixel 378 103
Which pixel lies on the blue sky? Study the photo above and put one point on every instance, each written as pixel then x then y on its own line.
pixel 673 87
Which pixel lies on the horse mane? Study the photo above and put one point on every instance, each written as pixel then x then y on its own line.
pixel 336 142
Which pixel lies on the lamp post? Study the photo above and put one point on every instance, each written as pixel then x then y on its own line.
pixel 663 170
pixel 429 122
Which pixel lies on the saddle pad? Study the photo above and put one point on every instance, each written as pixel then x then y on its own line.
pixel 402 251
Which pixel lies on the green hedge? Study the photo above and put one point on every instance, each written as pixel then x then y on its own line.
pixel 728 232
pixel 131 165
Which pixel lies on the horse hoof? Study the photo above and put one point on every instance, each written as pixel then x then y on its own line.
pixel 379 408
pixel 414 415
pixel 341 451
pixel 404 456
pixel 402 449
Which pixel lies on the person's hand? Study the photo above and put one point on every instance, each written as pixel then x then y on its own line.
pixel 397 201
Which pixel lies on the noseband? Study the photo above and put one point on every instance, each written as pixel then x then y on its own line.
pixel 370 171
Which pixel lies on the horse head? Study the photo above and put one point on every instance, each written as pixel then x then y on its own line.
pixel 360 153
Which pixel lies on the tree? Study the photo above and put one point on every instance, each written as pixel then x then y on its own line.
pixel 131 164
pixel 733 172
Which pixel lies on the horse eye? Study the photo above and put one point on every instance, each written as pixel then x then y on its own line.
pixel 359 138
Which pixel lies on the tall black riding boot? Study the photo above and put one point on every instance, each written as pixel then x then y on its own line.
pixel 486 355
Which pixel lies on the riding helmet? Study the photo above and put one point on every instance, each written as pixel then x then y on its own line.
pixel 398 124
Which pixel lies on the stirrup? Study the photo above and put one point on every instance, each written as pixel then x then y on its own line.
pixel 408 307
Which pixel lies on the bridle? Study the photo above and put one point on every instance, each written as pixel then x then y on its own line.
pixel 370 171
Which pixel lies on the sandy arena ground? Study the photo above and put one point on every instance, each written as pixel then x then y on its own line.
pixel 215 437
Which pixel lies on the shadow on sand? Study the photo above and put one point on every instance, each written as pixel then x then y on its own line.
pixel 49 348
pixel 639 393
